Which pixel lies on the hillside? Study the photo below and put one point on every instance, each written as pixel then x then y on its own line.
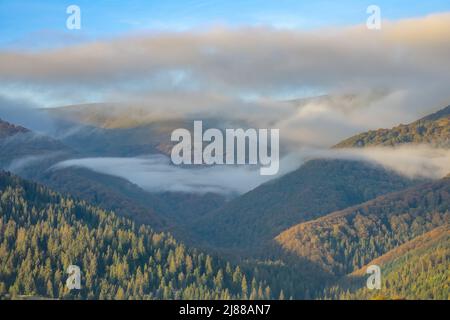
pixel 433 129
pixel 315 189
pixel 318 234
pixel 422 242
pixel 20 147
pixel 346 240
pixel 118 115
pixel 42 233
pixel 120 142
pixel 418 269
pixel 124 131
pixel 32 156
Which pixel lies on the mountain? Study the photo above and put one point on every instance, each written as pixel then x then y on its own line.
pixel 296 234
pixel 346 240
pixel 7 129
pixel 121 132
pixel 423 242
pixel 124 131
pixel 21 147
pixel 32 156
pixel 121 142
pixel 161 210
pixel 43 232
pixel 418 269
pixel 315 189
pixel 433 129
pixel 108 115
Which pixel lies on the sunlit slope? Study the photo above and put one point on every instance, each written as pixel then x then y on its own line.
pixel 317 188
pixel 433 129
pixel 346 240
pixel 418 269
pixel 43 232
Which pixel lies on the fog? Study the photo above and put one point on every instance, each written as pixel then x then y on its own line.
pixel 413 161
pixel 156 173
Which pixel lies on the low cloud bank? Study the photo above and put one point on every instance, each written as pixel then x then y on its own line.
pixel 156 174
pixel 413 161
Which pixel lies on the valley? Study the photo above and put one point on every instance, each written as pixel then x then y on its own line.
pixel 302 235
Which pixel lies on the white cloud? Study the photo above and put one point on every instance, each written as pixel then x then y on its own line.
pixel 413 161
pixel 156 174
pixel 404 53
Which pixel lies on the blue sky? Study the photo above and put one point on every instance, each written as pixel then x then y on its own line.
pixel 40 24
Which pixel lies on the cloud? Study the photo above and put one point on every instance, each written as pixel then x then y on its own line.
pixel 413 161
pixel 156 174
pixel 406 52
pixel 252 58
pixel 315 122
pixel 398 74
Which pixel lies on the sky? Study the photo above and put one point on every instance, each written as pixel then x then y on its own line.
pixel 41 24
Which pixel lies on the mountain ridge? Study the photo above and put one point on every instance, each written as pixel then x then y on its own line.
pixel 345 240
pixel 433 129
pixel 418 269
pixel 8 129
pixel 317 188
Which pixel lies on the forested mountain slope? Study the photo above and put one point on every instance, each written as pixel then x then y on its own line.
pixel 423 242
pixel 21 148
pixel 33 155
pixel 433 129
pixel 317 188
pixel 346 240
pixel 418 269
pixel 43 232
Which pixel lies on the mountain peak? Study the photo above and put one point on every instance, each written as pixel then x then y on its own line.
pixel 7 129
